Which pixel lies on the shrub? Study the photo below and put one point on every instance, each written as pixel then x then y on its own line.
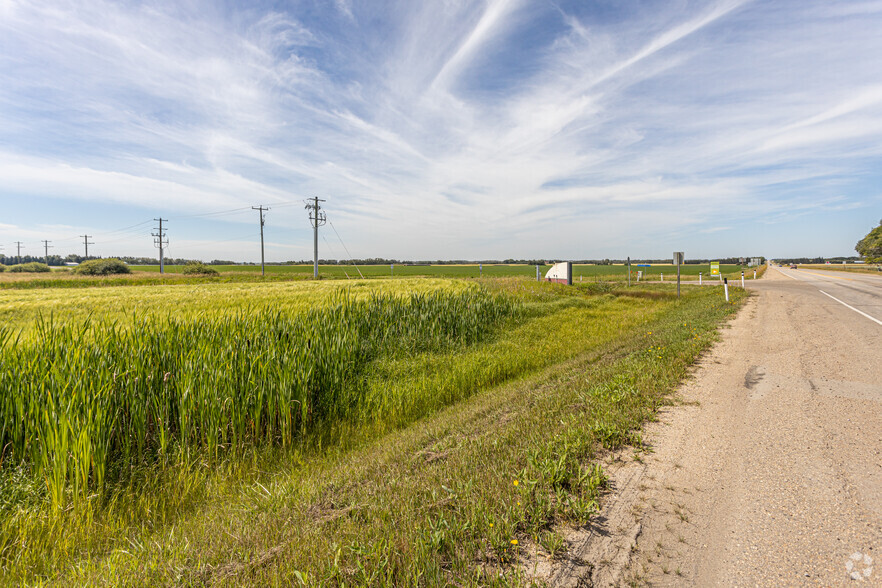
pixel 2 268
pixel 194 268
pixel 102 267
pixel 34 267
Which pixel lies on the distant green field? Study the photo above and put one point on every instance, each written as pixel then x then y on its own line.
pixel 585 272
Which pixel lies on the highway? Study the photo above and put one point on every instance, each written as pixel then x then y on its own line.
pixel 860 292
pixel 770 472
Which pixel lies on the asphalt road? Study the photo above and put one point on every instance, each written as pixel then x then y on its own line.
pixel 770 474
pixel 861 292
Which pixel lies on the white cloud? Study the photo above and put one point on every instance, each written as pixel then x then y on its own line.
pixel 427 136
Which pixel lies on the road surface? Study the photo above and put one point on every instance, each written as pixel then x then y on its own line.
pixel 771 473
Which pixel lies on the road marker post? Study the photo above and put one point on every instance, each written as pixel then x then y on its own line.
pixel 742 278
pixel 537 273
pixel 678 261
pixel 699 278
pixel 754 274
pixel 726 288
pixel 662 277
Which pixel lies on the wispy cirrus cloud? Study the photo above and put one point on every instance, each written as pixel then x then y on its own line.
pixel 476 128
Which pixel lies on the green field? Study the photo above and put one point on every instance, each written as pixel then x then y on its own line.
pixel 585 272
pixel 363 432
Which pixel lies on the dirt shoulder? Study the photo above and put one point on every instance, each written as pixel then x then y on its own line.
pixel 768 474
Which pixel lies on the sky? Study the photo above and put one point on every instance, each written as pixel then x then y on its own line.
pixel 441 129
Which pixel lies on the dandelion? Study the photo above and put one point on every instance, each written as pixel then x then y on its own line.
pixel 514 541
pixel 515 482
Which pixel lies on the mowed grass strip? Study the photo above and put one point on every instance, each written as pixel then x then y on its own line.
pixel 455 498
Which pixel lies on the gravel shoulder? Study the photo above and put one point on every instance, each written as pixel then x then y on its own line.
pixel 769 473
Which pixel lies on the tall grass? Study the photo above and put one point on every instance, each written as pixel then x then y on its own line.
pixel 83 404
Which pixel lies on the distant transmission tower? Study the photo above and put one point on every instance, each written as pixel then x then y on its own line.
pixel 18 251
pixel 317 218
pixel 86 242
pixel 47 247
pixel 262 210
pixel 160 241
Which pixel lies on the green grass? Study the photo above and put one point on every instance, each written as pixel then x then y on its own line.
pixel 858 269
pixel 20 308
pixel 419 486
pixel 587 272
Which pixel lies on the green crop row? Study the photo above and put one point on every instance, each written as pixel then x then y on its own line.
pixel 83 403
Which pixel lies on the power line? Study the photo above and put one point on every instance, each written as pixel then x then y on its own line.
pixel 86 242
pixel 346 249
pixel 317 218
pixel 47 246
pixel 262 210
pixel 160 241
pixel 18 250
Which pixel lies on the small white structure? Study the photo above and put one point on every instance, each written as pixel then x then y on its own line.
pixel 561 273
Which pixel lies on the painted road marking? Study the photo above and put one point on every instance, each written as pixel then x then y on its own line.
pixel 786 274
pixel 875 320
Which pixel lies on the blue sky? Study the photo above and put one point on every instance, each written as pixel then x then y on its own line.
pixel 442 129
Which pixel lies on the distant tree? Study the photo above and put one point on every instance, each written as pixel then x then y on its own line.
pixel 31 267
pixel 102 267
pixel 870 247
pixel 197 268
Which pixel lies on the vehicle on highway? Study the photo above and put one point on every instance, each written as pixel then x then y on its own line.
pixel 792 266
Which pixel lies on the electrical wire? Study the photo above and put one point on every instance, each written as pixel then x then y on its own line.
pixel 345 248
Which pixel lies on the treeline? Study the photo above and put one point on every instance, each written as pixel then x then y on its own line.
pixel 57 260
pixel 852 259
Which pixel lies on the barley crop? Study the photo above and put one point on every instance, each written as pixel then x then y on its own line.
pixel 83 403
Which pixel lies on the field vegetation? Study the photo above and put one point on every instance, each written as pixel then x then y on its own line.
pixel 32 267
pixel 422 431
pixel 585 272
pixel 858 269
pixel 102 267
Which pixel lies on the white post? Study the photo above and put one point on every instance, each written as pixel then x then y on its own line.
pixel 699 278
pixel 726 288
pixel 754 274
pixel 537 273
pixel 742 278
pixel 662 277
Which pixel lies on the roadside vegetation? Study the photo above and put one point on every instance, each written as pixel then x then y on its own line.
pixel 857 269
pixel 870 247
pixel 368 438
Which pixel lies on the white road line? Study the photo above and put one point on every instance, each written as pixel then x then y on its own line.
pixel 875 320
pixel 788 275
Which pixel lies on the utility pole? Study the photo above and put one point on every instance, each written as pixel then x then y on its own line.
pixel 317 218
pixel 86 242
pixel 160 241
pixel 46 245
pixel 18 251
pixel 262 210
